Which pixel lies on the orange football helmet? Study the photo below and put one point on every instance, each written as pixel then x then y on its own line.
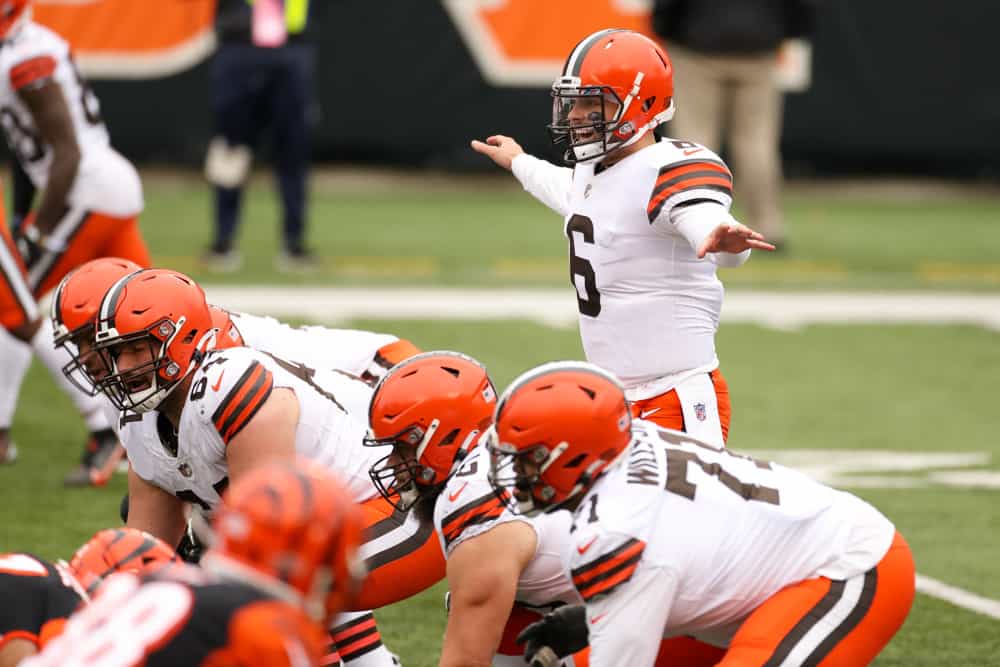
pixel 74 306
pixel 292 530
pixel 227 334
pixel 556 429
pixel 164 309
pixel 119 550
pixel 618 69
pixel 431 409
pixel 13 14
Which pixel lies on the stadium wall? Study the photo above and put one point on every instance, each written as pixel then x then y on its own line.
pixel 896 85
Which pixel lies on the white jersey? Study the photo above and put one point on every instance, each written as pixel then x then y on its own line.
pixel 469 506
pixel 649 308
pixel 225 394
pixel 699 537
pixel 106 182
pixel 349 350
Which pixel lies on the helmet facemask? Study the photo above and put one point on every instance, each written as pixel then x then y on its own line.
pixel 399 476
pixel 586 118
pixel 80 369
pixel 520 473
pixel 143 387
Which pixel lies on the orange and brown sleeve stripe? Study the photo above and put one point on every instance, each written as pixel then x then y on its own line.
pixel 243 401
pixel 482 509
pixel 605 574
pixel 688 175
pixel 31 71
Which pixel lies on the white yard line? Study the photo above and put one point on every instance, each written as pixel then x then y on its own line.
pixel 557 307
pixel 958 597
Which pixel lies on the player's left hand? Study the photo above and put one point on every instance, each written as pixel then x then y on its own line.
pixel 563 632
pixel 734 238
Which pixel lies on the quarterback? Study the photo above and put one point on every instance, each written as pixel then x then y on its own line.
pixel 648 224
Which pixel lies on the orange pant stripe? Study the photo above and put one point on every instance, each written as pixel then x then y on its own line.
pixel 791 627
pixel 402 569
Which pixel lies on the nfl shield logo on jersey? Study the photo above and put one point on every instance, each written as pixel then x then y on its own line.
pixel 699 411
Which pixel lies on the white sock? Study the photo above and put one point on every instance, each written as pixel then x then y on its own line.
pixel 15 357
pixel 356 631
pixel 54 359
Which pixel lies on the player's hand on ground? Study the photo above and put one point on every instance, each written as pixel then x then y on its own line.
pixel 498 148
pixel 734 238
pixel 563 632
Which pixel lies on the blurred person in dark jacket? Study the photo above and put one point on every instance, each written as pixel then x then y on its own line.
pixel 262 78
pixel 726 57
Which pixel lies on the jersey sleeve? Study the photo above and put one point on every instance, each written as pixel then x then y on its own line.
pixel 601 562
pixel 625 628
pixel 469 506
pixel 32 72
pixel 548 183
pixel 698 179
pixel 236 385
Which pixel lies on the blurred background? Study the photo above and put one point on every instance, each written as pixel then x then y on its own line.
pixel 865 351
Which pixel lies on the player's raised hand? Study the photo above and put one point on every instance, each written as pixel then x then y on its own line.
pixel 734 238
pixel 498 148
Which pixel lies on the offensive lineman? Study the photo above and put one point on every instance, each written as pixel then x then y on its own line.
pixel 209 416
pixel 502 568
pixel 648 223
pixel 89 208
pixel 674 536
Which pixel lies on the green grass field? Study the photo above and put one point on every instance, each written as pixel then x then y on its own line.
pixel 905 389
pixel 490 232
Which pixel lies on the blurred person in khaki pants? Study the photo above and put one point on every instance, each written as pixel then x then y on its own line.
pixel 726 57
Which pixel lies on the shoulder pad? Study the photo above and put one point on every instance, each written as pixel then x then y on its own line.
pixel 703 175
pixel 233 385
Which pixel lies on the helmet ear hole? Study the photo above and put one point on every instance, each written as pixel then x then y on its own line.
pixel 648 103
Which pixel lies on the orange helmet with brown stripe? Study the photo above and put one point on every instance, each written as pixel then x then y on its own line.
pixel 293 530
pixel 615 86
pixel 163 317
pixel 556 429
pixel 119 550
pixel 431 410
pixel 73 310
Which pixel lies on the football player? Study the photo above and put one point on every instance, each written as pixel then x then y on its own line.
pixel 209 416
pixel 91 198
pixel 284 560
pixel 673 535
pixel 38 598
pixel 40 595
pixel 502 568
pixel 648 224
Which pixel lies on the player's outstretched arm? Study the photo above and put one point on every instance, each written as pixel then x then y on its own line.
pixel 482 575
pixel 499 148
